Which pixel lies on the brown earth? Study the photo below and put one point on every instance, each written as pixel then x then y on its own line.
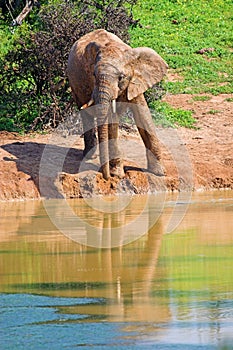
pixel 200 158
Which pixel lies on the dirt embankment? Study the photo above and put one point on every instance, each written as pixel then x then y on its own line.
pixel 200 158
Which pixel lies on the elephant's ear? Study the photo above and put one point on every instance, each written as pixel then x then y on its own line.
pixel 149 69
pixel 91 52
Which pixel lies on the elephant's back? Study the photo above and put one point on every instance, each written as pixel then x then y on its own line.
pixel 100 36
pixel 80 74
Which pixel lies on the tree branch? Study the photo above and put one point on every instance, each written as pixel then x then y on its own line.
pixel 26 10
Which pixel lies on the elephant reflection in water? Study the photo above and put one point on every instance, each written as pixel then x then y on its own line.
pixel 127 270
pixel 121 274
pixel 113 222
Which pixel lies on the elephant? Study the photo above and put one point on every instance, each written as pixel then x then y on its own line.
pixel 103 70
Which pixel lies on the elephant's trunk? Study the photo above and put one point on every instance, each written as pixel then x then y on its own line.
pixel 103 100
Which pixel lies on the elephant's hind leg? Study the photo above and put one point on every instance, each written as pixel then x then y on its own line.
pixel 146 129
pixel 89 129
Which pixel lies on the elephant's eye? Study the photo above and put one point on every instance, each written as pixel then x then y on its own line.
pixel 121 77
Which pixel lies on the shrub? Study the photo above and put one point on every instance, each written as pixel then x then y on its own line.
pixel 34 85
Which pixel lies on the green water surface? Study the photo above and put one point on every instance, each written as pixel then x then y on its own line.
pixel 156 290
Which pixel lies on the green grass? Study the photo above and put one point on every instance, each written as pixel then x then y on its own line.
pixel 178 29
pixel 214 111
pixel 201 98
pixel 165 115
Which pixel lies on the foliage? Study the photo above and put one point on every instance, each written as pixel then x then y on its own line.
pixel 113 15
pixel 194 37
pixel 33 81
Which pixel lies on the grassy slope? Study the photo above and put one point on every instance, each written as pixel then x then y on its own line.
pixel 177 29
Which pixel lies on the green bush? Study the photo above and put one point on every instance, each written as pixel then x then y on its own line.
pixel 33 80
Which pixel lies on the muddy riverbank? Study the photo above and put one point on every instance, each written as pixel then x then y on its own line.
pixel 202 158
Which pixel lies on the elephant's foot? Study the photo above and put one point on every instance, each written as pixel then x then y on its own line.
pixel 158 171
pixel 105 171
pixel 156 168
pixel 153 164
pixel 116 168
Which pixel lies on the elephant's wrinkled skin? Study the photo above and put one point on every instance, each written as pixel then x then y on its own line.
pixel 101 69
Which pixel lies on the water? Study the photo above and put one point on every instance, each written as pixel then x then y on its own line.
pixel 60 290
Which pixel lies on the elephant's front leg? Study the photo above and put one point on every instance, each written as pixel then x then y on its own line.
pixel 146 129
pixel 115 161
pixel 89 131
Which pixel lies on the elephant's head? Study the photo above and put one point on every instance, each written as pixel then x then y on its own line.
pixel 119 69
pixel 120 72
